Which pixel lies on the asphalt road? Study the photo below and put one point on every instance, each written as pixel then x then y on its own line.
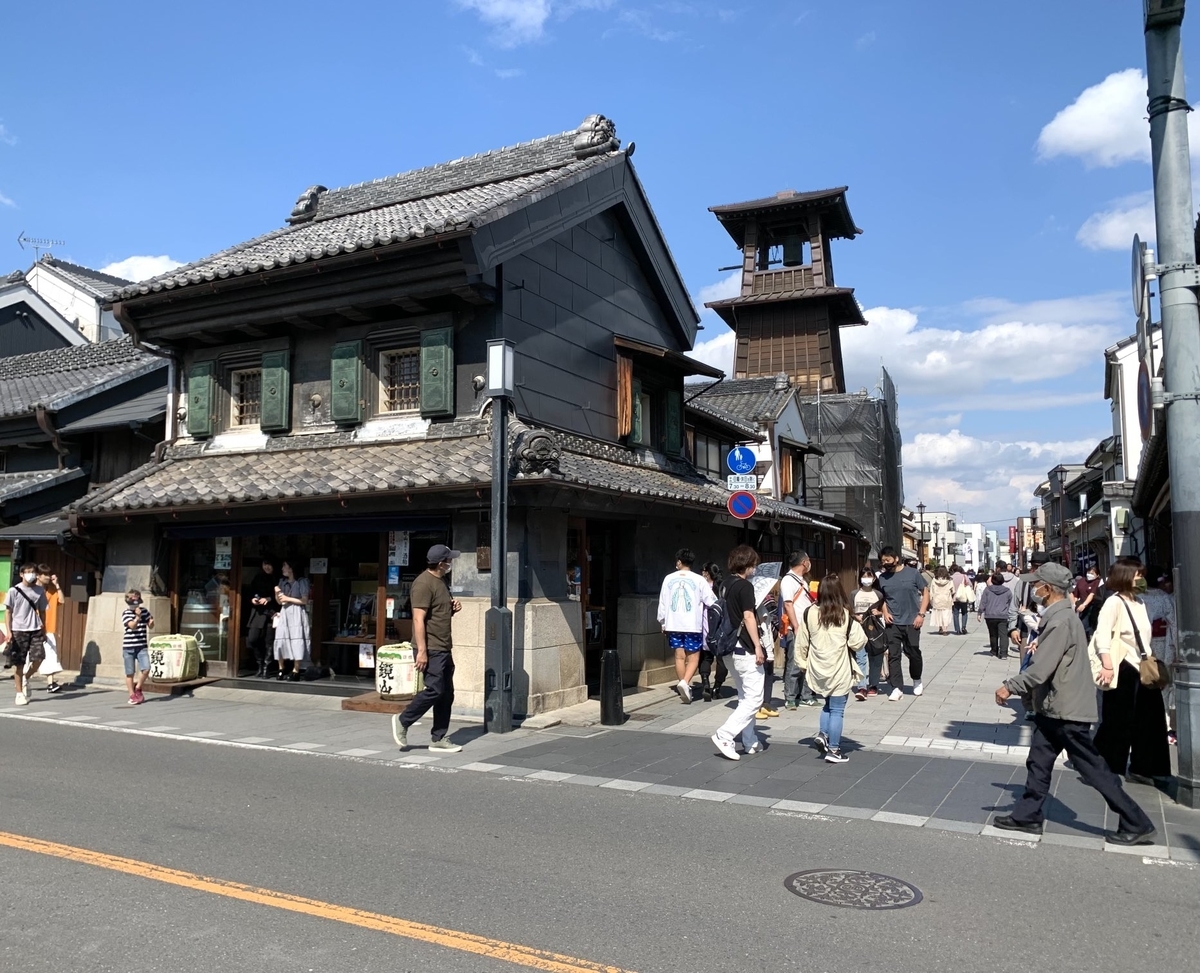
pixel 639 882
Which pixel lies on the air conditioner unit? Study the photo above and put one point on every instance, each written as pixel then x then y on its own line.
pixel 1125 519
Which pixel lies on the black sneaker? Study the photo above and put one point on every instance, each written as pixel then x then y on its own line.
pixel 1131 837
pixel 821 742
pixel 54 687
pixel 834 755
pixel 1005 822
pixel 708 694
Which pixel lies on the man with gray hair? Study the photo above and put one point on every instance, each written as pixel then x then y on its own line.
pixel 1064 705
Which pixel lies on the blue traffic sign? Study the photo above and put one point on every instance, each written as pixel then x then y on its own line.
pixel 741 460
pixel 742 505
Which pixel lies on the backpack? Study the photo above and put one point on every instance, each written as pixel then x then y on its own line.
pixel 1100 596
pixel 722 637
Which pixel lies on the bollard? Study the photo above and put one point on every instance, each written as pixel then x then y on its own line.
pixel 612 706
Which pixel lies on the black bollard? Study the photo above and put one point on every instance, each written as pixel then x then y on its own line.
pixel 612 705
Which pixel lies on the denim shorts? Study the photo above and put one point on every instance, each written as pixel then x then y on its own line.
pixel 688 641
pixel 138 657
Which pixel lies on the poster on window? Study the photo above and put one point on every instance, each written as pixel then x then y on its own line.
pixel 222 553
pixel 366 655
pixel 398 548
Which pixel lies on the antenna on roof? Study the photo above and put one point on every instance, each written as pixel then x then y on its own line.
pixel 38 244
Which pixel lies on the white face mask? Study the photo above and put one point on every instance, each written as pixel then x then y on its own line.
pixel 866 582
pixel 30 578
pixel 1092 576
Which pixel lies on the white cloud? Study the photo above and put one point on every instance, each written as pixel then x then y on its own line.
pixel 1107 124
pixel 1113 229
pixel 992 478
pixel 504 74
pixel 140 268
pixel 718 350
pixel 5 201
pixel 866 40
pixel 1017 344
pixel 513 21
pixel 723 289
pixel 7 137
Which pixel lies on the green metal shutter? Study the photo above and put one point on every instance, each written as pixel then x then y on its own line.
pixel 674 422
pixel 276 392
pixel 201 387
pixel 635 431
pixel 437 372
pixel 345 373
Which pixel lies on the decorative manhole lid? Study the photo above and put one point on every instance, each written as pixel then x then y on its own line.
pixel 849 888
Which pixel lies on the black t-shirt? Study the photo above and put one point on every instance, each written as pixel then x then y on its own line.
pixel 263 586
pixel 739 599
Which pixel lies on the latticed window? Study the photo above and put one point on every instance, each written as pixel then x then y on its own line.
pixel 246 396
pixel 400 374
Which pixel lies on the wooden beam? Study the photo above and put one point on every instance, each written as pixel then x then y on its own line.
pixel 301 322
pixel 410 305
pixel 353 313
pixel 253 332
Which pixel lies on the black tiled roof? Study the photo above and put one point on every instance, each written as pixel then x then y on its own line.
pixel 14 485
pixel 57 378
pixel 304 470
pixel 424 203
pixel 709 407
pixel 837 221
pixel 839 298
pixel 749 399
pixel 98 284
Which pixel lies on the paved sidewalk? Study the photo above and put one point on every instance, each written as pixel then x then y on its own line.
pixel 939 790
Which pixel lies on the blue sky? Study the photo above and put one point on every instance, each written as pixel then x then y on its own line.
pixel 996 155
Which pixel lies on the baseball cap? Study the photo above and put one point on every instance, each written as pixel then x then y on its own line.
pixel 1052 574
pixel 439 553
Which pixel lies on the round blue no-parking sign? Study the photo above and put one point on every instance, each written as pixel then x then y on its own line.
pixel 742 504
pixel 741 460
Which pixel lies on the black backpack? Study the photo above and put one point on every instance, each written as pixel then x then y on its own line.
pixel 1098 599
pixel 722 633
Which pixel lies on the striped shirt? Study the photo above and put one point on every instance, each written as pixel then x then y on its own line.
pixel 135 638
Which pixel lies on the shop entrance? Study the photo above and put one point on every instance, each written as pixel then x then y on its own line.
pixel 358 579
pixel 592 560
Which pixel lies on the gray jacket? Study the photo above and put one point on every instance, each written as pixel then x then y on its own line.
pixel 1060 676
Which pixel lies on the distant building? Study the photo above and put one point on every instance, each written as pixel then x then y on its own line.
pixel 78 294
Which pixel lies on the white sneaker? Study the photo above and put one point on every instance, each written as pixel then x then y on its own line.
pixel 918 689
pixel 684 690
pixel 21 700
pixel 399 732
pixel 896 695
pixel 725 748
pixel 755 747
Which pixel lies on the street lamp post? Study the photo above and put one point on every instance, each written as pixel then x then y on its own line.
pixel 497 645
pixel 937 548
pixel 921 536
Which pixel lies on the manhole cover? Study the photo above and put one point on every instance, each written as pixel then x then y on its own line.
pixel 848 888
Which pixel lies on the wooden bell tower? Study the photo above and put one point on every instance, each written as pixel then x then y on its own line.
pixel 789 312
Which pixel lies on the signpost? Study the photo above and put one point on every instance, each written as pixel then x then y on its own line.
pixel 742 505
pixel 741 460
pixel 738 481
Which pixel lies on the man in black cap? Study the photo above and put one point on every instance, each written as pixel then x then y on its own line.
pixel 1064 705
pixel 432 609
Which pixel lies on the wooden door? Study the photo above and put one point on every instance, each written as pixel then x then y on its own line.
pixel 72 615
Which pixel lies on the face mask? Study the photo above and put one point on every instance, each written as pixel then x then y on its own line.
pixel 1092 576
pixel 1039 600
pixel 29 578
pixel 866 582
pixel 1140 586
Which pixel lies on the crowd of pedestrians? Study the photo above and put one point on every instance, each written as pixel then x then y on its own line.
pixel 1079 639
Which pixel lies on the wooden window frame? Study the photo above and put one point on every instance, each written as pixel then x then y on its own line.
pixel 413 399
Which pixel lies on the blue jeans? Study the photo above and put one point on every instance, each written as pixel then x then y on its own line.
pixel 863 661
pixel 832 714
pixel 960 617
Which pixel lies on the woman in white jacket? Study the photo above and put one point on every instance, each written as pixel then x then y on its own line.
pixel 1132 734
pixel 827 641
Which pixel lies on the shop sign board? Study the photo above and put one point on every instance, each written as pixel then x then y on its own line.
pixel 318 565
pixel 393 574
pixel 222 553
pixel 398 544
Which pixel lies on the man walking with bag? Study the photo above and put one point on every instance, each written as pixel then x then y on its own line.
pixel 1064 705
pixel 25 610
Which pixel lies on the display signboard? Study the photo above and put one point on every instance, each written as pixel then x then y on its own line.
pixel 739 481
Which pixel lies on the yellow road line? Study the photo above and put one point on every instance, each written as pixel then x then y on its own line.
pixel 538 959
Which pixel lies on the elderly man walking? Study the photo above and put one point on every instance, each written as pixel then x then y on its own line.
pixel 1064 706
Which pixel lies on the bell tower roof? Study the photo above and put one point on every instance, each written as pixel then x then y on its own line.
pixel 830 204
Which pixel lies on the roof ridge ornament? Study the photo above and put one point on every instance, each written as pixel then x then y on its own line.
pixel 306 206
pixel 596 135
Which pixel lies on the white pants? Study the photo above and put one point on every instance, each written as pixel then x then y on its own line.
pixel 750 684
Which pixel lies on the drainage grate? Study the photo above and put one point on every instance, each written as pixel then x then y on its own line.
pixel 848 888
pixel 640 717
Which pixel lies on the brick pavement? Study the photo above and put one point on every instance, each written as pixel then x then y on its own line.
pixel 658 755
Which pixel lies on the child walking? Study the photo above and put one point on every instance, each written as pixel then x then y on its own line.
pixel 137 621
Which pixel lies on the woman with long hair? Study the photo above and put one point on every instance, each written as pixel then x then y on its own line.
pixel 712 574
pixel 827 640
pixel 941 601
pixel 1132 734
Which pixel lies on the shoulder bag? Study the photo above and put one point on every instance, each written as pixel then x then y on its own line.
pixel 1151 671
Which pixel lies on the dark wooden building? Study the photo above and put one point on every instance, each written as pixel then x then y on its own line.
pixel 332 411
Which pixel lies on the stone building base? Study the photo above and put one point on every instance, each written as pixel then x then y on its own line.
pixel 645 658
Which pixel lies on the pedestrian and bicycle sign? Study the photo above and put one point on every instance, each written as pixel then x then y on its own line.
pixel 737 481
pixel 741 460
pixel 742 505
